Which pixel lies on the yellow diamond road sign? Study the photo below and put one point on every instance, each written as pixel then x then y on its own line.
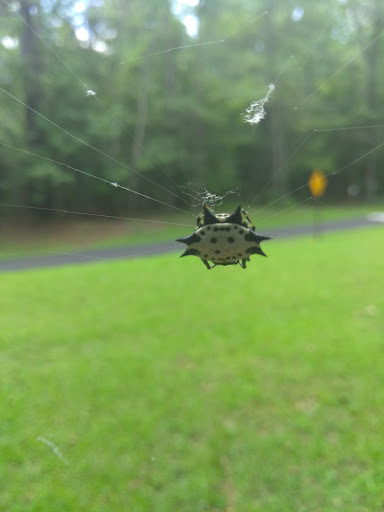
pixel 317 183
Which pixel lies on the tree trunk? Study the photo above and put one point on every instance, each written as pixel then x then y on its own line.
pixel 278 150
pixel 276 130
pixel 31 71
pixel 372 59
pixel 139 132
pixel 142 113
pixel 36 191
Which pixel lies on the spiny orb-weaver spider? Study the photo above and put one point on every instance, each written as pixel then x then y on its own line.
pixel 223 239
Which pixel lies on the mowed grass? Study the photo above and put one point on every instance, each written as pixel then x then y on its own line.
pixel 167 387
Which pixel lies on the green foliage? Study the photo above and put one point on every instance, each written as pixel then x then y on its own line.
pixel 165 392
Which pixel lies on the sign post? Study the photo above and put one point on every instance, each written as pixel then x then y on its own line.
pixel 317 185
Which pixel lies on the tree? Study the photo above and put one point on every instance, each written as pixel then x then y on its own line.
pixel 156 108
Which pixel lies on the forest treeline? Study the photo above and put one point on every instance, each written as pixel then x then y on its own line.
pixel 101 71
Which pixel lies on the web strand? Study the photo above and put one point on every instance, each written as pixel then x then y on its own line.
pixel 76 256
pixel 332 173
pixel 84 85
pixel 311 50
pixel 196 45
pixel 298 147
pixel 97 150
pixel 301 144
pixel 74 169
pixel 345 128
pixel 242 27
pixel 279 170
pixel 284 210
pixel 87 214
pixel 169 50
pixel 341 68
pixel 105 258
pixel 310 134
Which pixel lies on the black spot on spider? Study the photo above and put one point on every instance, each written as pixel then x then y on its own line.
pixel 228 228
pixel 239 254
pixel 202 232
pixel 231 239
pixel 206 255
pixel 213 240
pixel 208 228
pixel 215 229
pixel 217 252
pixel 234 227
pixel 241 231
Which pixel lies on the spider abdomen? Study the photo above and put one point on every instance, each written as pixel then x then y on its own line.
pixel 223 239
pixel 224 243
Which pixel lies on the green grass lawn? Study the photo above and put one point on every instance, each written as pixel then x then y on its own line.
pixel 168 387
pixel 66 233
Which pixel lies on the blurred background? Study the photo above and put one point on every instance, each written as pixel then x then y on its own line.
pixel 117 75
pixel 152 384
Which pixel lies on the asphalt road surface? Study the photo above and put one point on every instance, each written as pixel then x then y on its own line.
pixel 53 259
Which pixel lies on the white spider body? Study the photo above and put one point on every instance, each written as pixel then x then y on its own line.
pixel 223 239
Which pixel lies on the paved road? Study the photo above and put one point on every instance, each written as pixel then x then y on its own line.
pixel 56 259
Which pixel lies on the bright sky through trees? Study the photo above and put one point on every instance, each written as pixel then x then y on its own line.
pixel 181 8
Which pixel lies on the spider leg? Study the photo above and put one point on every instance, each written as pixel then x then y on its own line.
pixel 199 220
pixel 206 263
pixel 248 219
pixel 243 263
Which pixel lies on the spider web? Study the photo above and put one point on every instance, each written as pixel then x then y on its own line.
pixel 204 197
pixel 190 193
